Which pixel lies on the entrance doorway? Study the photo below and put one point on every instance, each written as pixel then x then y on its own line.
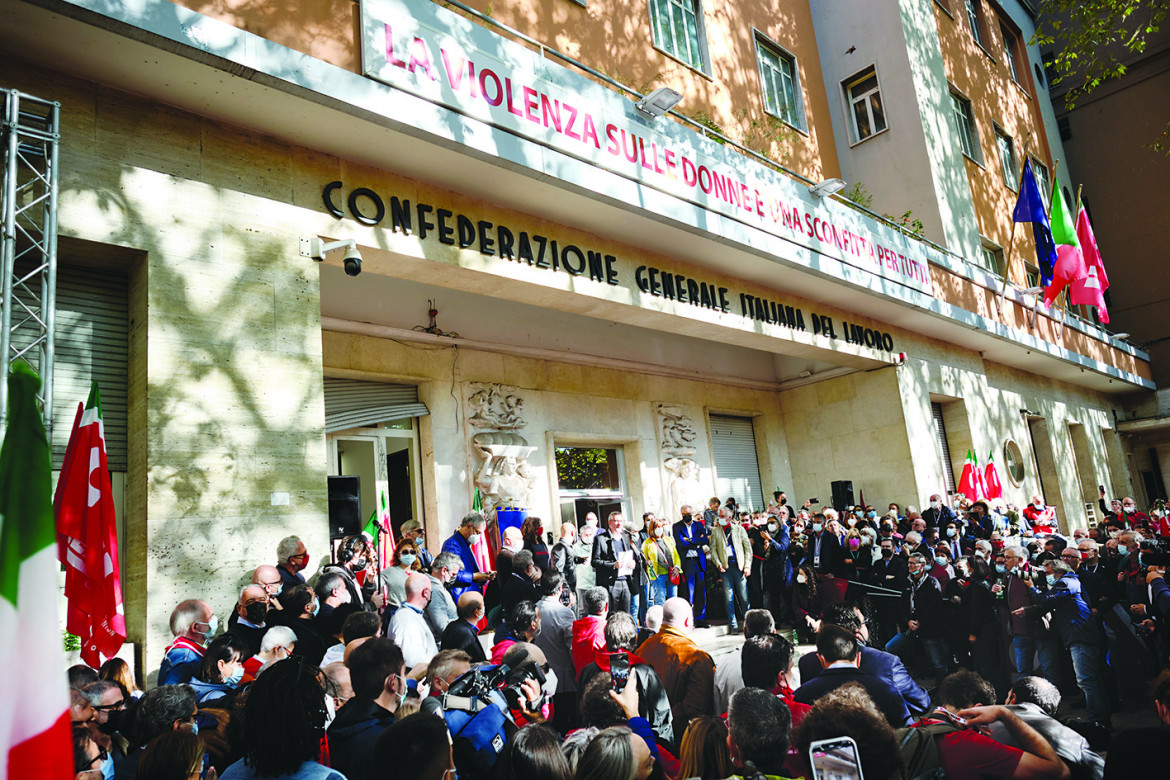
pixel 386 460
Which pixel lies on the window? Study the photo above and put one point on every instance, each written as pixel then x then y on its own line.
pixel 965 123
pixel 1013 460
pixel 1031 275
pixel 992 258
pixel 1043 182
pixel 1011 46
pixel 677 28
pixel 973 19
pixel 778 79
pixel 942 447
pixel 1007 158
pixel 865 104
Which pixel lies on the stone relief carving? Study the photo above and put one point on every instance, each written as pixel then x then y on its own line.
pixel 684 487
pixel 501 453
pixel 678 432
pixel 678 441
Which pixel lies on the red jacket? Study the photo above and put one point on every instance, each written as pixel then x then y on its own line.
pixel 588 640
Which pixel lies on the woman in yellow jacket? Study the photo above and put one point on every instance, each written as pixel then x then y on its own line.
pixel 661 561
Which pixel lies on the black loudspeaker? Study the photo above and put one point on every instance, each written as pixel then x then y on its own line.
pixel 345 506
pixel 842 494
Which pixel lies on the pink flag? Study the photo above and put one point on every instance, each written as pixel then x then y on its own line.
pixel 1090 290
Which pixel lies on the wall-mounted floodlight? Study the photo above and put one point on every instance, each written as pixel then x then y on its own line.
pixel 1033 291
pixel 658 102
pixel 823 189
pixel 317 249
pixel 1121 336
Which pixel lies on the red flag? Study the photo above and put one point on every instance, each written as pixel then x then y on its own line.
pixel 991 482
pixel 87 539
pixel 1090 290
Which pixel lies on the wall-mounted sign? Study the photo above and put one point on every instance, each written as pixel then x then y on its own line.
pixel 467 231
pixel 419 47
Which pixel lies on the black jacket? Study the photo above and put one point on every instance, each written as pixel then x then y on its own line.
pixel 832 557
pixel 924 604
pixel 884 695
pixel 605 558
pixel 461 635
pixel 352 735
pixel 653 705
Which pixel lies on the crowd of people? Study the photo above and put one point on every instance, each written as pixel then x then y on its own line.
pixel 943 641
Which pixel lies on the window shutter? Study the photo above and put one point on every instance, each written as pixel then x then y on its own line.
pixel 733 449
pixel 943 447
pixel 352 403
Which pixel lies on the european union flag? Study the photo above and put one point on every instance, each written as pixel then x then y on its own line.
pixel 1030 208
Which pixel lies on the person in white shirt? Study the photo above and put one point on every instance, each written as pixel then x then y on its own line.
pixel 408 627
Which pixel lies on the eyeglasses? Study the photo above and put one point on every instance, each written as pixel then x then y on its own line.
pixel 267 585
pixel 118 705
pixel 102 755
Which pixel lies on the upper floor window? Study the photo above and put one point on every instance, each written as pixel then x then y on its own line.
pixel 778 79
pixel 992 257
pixel 865 104
pixel 1043 180
pixel 965 123
pixel 973 20
pixel 678 30
pixel 1011 47
pixel 1007 158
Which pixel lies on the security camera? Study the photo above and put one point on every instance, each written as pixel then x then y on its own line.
pixel 317 249
pixel 352 262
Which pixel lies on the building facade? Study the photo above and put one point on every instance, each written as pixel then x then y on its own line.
pixel 563 305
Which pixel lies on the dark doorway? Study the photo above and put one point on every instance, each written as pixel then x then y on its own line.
pixel 398 478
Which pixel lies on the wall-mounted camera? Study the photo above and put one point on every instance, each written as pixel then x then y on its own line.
pixel 317 249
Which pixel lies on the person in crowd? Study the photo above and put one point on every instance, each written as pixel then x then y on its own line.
pixel 940 564
pixel 353 556
pixel 1036 701
pixel 175 755
pixel 1079 633
pixel 221 670
pixel 463 633
pixel 774 564
pixel 251 612
pixel 615 559
pixel 888 572
pixel 300 607
pixel 621 635
pixel 1039 514
pixel 850 711
pixel 583 561
pixel 338 688
pixel 663 565
pixel 1132 752
pixel 617 752
pixel 532 532
pixel 823 549
pixel 984 636
pixel 331 592
pixel 687 671
pixel 512 539
pixel 163 709
pixel 767 665
pixel 493 591
pixel 704 752
pixel 292 558
pixel 445 668
pixel 193 624
pixel 268 577
pixel 938 514
pixel 556 641
pixel 521 584
pixel 413 529
pixel 1029 641
pixel 731 552
pixel 523 625
pixel 728 670
pixel 408 627
pixel 109 701
pixel 692 542
pixel 758 726
pixel 534 753
pixel 417 747
pixel 87 754
pixel 922 604
pixel 441 610
pixel 378 675
pixel 80 708
pixel 880 664
pixel 562 559
pixel 355 626
pixel 284 721
pixel 461 543
pixel 806 601
pixel 840 655
pixel 393 578
pixel 117 670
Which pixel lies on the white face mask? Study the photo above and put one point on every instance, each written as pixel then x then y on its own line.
pixel 514 546
pixel 773 528
pixel 474 539
pixel 935 504
pixel 801 579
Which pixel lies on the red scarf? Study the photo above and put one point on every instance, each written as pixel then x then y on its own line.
pixel 186 644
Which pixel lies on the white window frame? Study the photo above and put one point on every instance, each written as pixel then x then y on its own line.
pixel 765 45
pixel 992 256
pixel 1043 182
pixel 851 100
pixel 968 133
pixel 685 8
pixel 1005 148
pixel 1010 47
pixel 973 21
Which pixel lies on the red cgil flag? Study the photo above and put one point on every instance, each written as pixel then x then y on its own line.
pixel 87 539
pixel 1090 290
pixel 991 478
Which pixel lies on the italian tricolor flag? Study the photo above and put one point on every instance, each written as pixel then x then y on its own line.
pixel 34 717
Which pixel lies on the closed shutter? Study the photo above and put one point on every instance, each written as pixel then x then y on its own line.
pixel 91 342
pixel 737 472
pixel 942 447
pixel 352 403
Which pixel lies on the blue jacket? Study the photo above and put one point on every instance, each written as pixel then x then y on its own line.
pixel 179 665
pixel 1071 615
pixel 884 695
pixel 463 580
pixel 352 736
pixel 887 667
pixel 692 537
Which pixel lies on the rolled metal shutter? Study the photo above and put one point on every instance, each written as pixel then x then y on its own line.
pixel 353 403
pixel 737 471
pixel 942 446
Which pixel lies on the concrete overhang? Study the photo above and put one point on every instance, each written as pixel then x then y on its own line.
pixel 176 56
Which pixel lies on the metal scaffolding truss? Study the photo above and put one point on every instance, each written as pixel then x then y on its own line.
pixel 28 244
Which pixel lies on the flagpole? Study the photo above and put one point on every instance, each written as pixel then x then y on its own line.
pixel 1007 263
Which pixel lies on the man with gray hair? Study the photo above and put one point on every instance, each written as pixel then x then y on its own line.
pixel 165 708
pixel 193 624
pixel 278 643
pixel 441 610
pixel 292 557
pixel 686 670
pixel 461 543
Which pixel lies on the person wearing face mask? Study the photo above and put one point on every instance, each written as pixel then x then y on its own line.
pixel 561 560
pixel 731 552
pixel 250 613
pixel 353 556
pixel 278 644
pixel 1039 516
pixel 378 675
pixel 440 610
pixel 938 514
pixel 292 558
pixel 300 607
pixel 193 624
pixel 823 549
pixel 939 565
pixel 583 564
pixel 511 539
pixel 463 543
pixel 776 566
pixel 922 604
pixel 408 627
pixel 220 672
pixel 692 541
pixel 807 603
pixel 888 571
pixel 393 578
pixel 662 560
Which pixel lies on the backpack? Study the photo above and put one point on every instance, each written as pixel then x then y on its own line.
pixel 919 750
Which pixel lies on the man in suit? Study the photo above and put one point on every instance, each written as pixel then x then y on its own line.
pixel 690 537
pixel 840 655
pixel 889 571
pixel 939 514
pixel 882 665
pixel 823 549
pixel 462 634
pixel 615 559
